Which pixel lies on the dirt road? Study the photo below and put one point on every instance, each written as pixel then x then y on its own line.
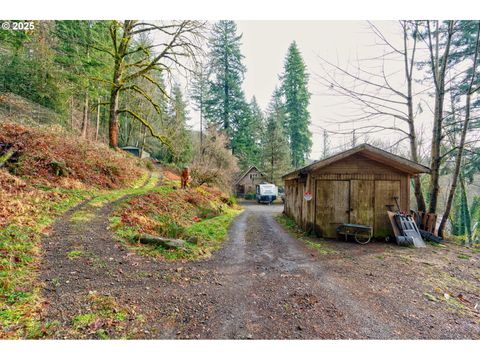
pixel 263 283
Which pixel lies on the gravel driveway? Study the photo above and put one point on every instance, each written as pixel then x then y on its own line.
pixel 263 284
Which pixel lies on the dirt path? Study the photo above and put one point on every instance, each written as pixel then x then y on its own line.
pixel 262 284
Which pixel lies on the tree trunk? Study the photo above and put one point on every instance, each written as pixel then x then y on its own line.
pixel 116 86
pixel 461 146
pixel 113 121
pixel 456 172
pixel 72 125
pixel 114 98
pixel 421 206
pixel 144 137
pixel 4 158
pixel 436 157
pixel 165 242
pixel 201 123
pixel 411 117
pixel 468 219
pixel 85 116
pixel 97 127
pixel 439 70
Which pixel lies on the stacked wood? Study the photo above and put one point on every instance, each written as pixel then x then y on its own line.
pixel 427 221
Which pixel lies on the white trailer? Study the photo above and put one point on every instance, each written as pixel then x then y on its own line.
pixel 266 193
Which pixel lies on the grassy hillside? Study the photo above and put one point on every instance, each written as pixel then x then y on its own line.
pixel 203 214
pixel 53 157
pixel 50 172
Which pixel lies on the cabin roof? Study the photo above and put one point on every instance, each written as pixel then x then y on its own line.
pixel 253 167
pixel 400 163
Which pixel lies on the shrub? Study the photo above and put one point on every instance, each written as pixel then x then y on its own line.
pixel 214 164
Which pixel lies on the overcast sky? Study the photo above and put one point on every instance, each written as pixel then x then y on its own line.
pixel 265 44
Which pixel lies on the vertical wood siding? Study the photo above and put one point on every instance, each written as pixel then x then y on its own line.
pixel 355 189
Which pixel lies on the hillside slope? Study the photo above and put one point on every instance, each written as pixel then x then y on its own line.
pixel 58 196
pixel 50 171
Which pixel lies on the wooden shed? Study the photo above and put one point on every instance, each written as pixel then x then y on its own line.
pixel 354 186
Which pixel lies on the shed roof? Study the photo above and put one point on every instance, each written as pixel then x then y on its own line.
pixel 400 163
pixel 246 173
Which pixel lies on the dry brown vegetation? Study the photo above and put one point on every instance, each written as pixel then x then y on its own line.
pixel 50 171
pixel 53 157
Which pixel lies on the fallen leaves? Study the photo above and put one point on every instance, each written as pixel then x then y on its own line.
pixel 57 158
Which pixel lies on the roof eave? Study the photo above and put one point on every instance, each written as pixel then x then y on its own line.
pixel 403 164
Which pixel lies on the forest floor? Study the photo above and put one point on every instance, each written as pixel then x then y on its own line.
pixel 267 281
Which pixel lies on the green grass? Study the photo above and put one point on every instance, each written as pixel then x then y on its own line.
pixel 20 253
pixel 136 189
pixel 19 287
pixel 312 242
pixel 84 215
pixel 213 230
pixel 320 247
pixel 74 254
pixel 106 319
pixel 209 233
pixel 430 297
pixel 84 320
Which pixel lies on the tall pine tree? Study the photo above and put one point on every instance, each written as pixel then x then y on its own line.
pixel 245 138
pixel 199 95
pixel 226 102
pixel 182 152
pixel 275 148
pixel 297 98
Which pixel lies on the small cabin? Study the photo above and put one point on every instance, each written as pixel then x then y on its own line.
pixel 247 182
pixel 356 186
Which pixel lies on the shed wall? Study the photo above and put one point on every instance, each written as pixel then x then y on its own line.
pixel 365 177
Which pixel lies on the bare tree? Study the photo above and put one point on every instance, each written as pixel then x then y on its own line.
pixel 175 46
pixel 376 95
pixel 438 66
pixel 214 164
pixel 461 145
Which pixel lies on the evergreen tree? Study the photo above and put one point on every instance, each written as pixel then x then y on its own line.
pixel 258 119
pixel 275 148
pixel 85 66
pixel 177 129
pixel 244 138
pixel 461 216
pixel 297 99
pixel 456 215
pixel 226 102
pixel 199 95
pixel 28 68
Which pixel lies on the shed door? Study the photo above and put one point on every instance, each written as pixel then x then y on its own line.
pixel 385 191
pixel 331 206
pixel 362 202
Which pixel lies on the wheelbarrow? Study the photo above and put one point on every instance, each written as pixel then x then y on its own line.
pixel 361 233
